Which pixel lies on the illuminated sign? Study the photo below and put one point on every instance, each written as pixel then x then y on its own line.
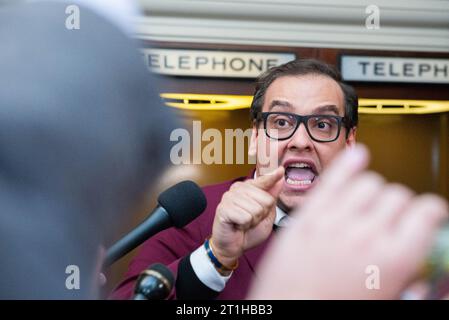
pixel 219 102
pixel 394 69
pixel 211 63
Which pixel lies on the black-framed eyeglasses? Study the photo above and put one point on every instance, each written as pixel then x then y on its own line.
pixel 283 125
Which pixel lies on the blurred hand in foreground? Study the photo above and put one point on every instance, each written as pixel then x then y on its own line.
pixel 356 237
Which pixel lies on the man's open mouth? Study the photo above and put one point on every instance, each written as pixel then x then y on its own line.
pixel 299 174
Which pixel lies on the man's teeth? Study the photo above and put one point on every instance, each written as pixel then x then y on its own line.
pixel 299 182
pixel 299 165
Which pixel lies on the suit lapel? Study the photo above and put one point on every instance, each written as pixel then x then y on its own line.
pixel 254 255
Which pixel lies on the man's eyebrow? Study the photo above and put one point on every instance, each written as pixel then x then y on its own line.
pixel 327 108
pixel 280 103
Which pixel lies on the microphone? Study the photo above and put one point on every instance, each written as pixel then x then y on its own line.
pixel 178 205
pixel 155 283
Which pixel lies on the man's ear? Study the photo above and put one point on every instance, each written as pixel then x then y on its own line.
pixel 351 139
pixel 252 148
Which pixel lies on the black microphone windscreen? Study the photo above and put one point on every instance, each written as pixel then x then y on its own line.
pixel 163 271
pixel 183 202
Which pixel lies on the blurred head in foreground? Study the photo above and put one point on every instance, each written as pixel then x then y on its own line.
pixel 82 135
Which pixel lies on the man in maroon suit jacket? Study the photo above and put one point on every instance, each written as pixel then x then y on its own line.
pixel 303 115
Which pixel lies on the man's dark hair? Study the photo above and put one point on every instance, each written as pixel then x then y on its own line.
pixel 302 67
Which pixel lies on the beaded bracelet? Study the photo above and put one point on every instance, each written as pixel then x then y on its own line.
pixel 213 258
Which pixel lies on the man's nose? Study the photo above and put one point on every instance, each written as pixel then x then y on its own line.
pixel 301 139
